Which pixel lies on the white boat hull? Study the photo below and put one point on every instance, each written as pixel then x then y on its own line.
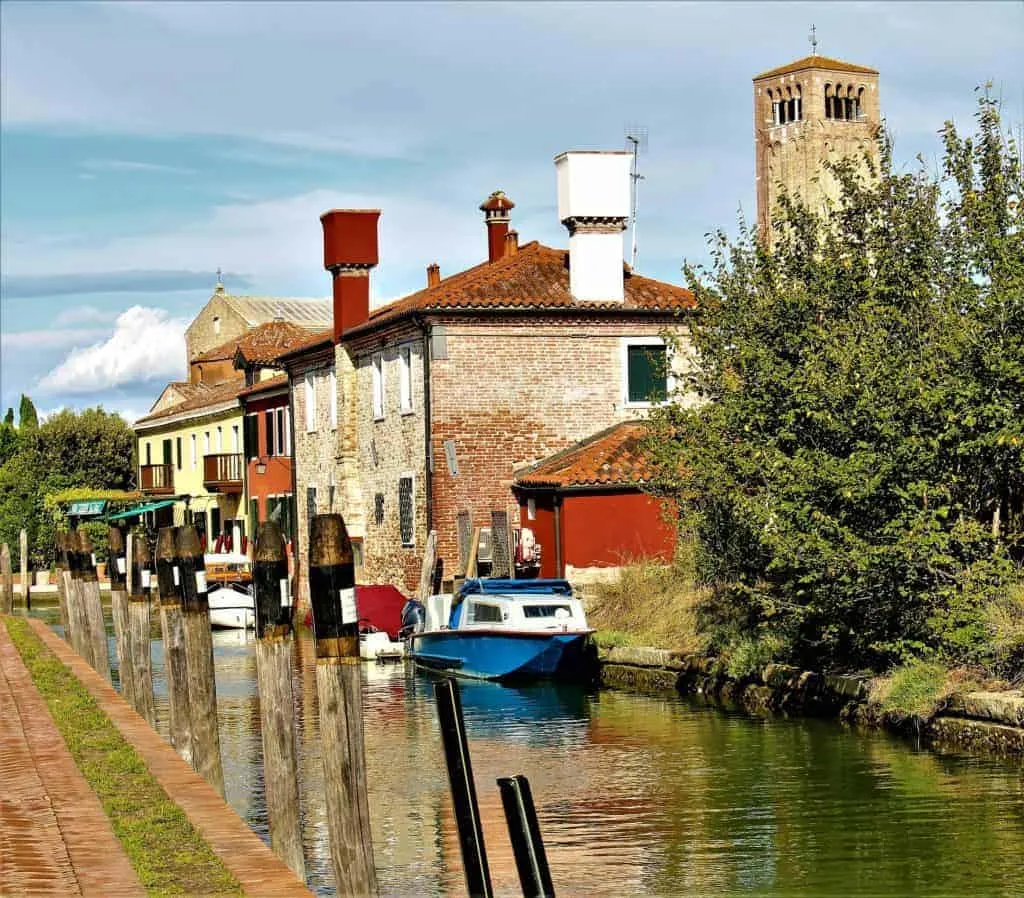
pixel 232 610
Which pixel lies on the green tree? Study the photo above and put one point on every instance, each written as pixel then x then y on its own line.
pixel 28 418
pixel 853 477
pixel 92 449
pixel 9 417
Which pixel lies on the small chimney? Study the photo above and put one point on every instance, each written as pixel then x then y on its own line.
pixel 512 243
pixel 593 204
pixel 350 251
pixel 433 274
pixel 497 210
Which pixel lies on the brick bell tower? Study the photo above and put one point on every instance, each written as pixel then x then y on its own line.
pixel 806 112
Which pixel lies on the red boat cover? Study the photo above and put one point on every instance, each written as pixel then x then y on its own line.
pixel 380 607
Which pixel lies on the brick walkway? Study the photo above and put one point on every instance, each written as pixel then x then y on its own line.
pixel 252 863
pixel 55 838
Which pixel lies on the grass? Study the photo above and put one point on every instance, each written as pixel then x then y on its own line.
pixel 920 688
pixel 168 855
pixel 647 604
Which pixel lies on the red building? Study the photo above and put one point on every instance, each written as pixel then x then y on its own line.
pixel 268 453
pixel 586 508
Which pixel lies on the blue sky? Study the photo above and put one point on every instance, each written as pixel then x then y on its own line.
pixel 144 145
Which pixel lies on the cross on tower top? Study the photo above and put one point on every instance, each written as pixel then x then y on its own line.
pixel 813 38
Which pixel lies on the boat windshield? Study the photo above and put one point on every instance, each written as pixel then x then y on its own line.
pixel 558 611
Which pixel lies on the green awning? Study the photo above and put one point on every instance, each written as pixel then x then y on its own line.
pixel 140 509
pixel 89 508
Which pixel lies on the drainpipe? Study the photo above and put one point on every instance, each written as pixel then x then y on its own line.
pixel 557 502
pixel 428 479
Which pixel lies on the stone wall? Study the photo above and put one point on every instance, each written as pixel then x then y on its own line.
pixel 216 323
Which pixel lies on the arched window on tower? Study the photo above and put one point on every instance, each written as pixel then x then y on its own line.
pixel 790 105
pixel 799 103
pixel 775 107
pixel 848 104
pixel 828 100
pixel 859 104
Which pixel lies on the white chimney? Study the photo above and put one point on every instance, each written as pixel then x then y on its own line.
pixel 593 203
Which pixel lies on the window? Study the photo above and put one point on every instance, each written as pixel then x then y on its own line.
pixel 286 427
pixel 270 431
pixel 646 370
pixel 178 451
pixel 484 614
pixel 378 509
pixel 357 552
pixel 235 447
pixel 149 454
pixel 282 434
pixel 220 438
pixel 251 436
pixel 216 324
pixel 167 451
pixel 206 443
pixel 405 378
pixel 310 504
pixel 310 403
pixel 332 398
pixel 195 452
pixel 546 611
pixel 254 513
pixel 378 386
pixel 405 511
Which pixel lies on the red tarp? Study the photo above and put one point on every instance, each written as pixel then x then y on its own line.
pixel 379 606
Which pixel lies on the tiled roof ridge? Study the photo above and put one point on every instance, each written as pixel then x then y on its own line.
pixel 817 61
pixel 252 335
pixel 584 463
pixel 210 394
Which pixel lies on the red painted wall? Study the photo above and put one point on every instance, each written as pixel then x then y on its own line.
pixel 277 479
pixel 601 529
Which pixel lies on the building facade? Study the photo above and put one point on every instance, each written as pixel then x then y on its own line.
pixel 443 395
pixel 806 113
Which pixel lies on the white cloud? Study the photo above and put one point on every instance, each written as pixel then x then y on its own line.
pixel 84 314
pixel 147 345
pixel 49 338
pixel 131 165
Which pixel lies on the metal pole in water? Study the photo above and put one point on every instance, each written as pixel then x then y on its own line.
pixel 524 831
pixel 460 777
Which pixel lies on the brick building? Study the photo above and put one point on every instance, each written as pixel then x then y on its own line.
pixel 444 394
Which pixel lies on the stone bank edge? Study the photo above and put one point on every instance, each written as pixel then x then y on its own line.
pixel 979 721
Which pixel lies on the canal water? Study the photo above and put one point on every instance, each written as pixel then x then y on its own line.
pixel 638 795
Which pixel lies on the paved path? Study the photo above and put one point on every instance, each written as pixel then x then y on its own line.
pixel 55 838
pixel 253 864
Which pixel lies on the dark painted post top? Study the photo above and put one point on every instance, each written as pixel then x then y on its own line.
pixel 332 593
pixel 86 557
pixel 167 574
pixel 191 570
pixel 271 584
pixel 142 567
pixel 116 563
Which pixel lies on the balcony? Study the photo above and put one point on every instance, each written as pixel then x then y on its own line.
pixel 156 480
pixel 222 473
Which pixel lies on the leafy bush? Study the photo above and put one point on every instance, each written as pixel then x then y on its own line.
pixel 1004 617
pixel 749 655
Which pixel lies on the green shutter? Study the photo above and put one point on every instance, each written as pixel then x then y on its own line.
pixel 647 373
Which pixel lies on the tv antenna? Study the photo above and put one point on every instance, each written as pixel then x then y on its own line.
pixel 636 137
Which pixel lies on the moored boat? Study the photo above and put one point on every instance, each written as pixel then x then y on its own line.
pixel 496 629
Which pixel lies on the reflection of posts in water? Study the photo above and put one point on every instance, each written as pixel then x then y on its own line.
pixel 460 777
pixel 339 688
pixel 139 639
pixel 89 587
pixel 116 568
pixel 274 644
pixel 168 580
pixel 202 685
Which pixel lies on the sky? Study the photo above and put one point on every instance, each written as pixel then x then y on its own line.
pixel 144 146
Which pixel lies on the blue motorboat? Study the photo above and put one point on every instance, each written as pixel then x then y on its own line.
pixel 497 629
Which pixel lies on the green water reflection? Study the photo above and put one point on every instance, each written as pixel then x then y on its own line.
pixel 642 796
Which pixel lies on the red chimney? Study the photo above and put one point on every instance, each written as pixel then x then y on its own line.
pixel 433 274
pixel 350 251
pixel 512 243
pixel 496 208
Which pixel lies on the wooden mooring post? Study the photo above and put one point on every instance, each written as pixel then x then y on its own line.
pixel 26 589
pixel 116 568
pixel 274 654
pixel 173 626
pixel 202 685
pixel 92 606
pixel 339 689
pixel 139 577
pixel 78 625
pixel 60 565
pixel 6 581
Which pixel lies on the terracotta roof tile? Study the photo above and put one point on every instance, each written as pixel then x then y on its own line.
pixel 314 341
pixel 537 277
pixel 203 395
pixel 817 62
pixel 260 345
pixel 609 458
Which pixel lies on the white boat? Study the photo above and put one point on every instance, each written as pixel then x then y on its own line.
pixel 232 608
pixel 376 645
